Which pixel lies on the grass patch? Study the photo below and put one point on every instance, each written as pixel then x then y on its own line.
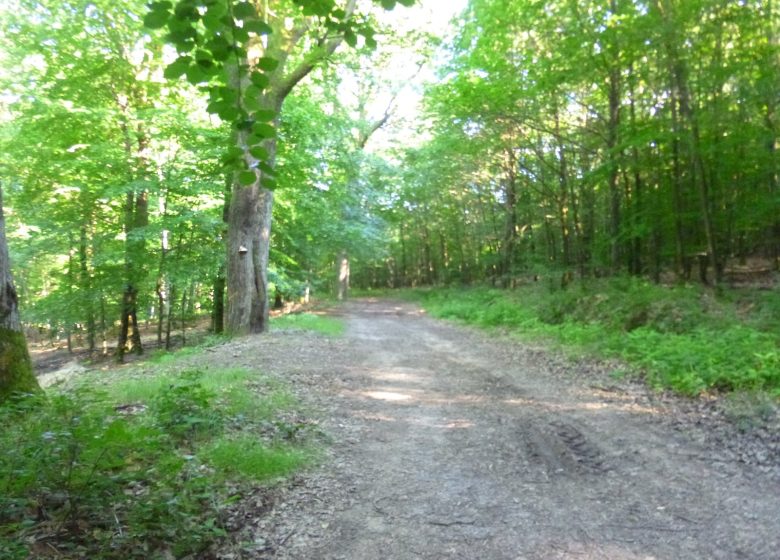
pixel 250 458
pixel 141 467
pixel 685 338
pixel 310 322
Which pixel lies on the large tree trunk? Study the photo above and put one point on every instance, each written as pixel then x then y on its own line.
pixel 249 235
pixel 16 373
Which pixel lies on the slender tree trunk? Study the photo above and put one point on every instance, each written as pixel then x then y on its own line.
pixel 169 318
pixel 614 169
pixel 16 372
pixel 218 315
pixel 510 224
pixel 85 281
pixel 563 194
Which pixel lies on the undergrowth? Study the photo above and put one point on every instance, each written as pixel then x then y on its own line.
pixel 140 468
pixel 685 338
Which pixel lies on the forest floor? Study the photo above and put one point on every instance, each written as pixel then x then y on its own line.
pixel 448 442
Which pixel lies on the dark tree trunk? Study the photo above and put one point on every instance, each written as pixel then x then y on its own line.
pixel 218 315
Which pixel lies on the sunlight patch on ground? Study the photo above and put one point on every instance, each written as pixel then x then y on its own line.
pixel 594 406
pixel 387 396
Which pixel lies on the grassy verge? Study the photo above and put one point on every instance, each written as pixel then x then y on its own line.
pixel 309 321
pixel 684 338
pixel 142 467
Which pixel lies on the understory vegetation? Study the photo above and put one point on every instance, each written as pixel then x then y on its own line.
pixel 141 464
pixel 687 338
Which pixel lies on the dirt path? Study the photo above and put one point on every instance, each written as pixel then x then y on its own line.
pixel 447 444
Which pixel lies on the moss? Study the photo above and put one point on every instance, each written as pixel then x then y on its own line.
pixel 16 373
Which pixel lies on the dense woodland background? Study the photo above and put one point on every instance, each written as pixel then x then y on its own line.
pixel 558 140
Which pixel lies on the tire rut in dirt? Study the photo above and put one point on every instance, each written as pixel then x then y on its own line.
pixel 561 449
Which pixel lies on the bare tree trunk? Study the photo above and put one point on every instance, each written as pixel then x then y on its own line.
pixel 16 372
pixel 342 269
pixel 510 224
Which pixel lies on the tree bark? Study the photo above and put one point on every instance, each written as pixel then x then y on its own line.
pixel 342 266
pixel 16 372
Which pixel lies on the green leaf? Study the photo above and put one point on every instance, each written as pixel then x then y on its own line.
pixel 177 68
pixel 156 19
pixel 268 183
pixel 388 4
pixel 240 34
pixel 244 10
pixel 232 155
pixel 350 38
pixel 266 168
pixel 258 152
pixel 196 75
pixel 258 27
pixel 267 63
pixel 263 130
pixel 253 93
pixel 247 178
pixel 259 79
pixel 265 115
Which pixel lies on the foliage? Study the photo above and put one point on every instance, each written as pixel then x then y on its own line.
pixel 681 337
pixel 138 469
pixel 597 138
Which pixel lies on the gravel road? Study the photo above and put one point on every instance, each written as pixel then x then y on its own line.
pixel 448 443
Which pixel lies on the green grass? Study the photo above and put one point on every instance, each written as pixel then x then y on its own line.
pixel 250 458
pixel 311 322
pixel 684 338
pixel 141 466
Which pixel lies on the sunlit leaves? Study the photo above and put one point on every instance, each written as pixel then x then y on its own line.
pixel 216 33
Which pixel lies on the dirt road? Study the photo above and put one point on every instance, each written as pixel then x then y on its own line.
pixel 448 444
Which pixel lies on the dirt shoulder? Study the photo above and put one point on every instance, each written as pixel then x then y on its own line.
pixel 449 444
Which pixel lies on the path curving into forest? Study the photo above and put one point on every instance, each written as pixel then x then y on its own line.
pixel 450 444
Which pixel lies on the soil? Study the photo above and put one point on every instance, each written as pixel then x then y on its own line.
pixel 451 443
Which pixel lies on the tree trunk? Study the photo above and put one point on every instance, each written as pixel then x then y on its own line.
pixel 510 224
pixel 342 270
pixel 613 165
pixel 86 284
pixel 16 372
pixel 249 234
pixel 218 315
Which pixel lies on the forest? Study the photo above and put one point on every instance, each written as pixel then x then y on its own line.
pixel 597 174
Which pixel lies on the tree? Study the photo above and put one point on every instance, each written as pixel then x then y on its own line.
pixel 16 373
pixel 255 54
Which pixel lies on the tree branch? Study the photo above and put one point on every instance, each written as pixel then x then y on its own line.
pixel 310 62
